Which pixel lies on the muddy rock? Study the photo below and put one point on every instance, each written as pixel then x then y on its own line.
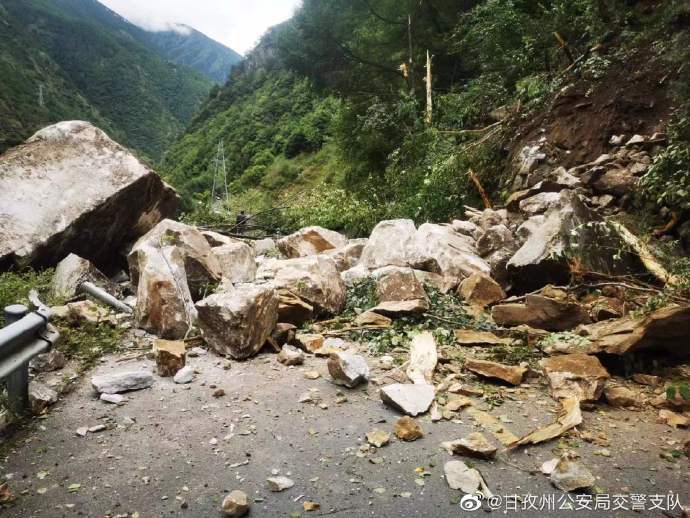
pixel 407 429
pixel 348 369
pixel 542 313
pixel 41 397
pixel 46 216
pixel 118 382
pixel 170 356
pixel 390 244
pixel 575 375
pixel 71 272
pixel 508 373
pixel 410 399
pixel 570 475
pixel 480 290
pixel 236 262
pixel 290 355
pixel 310 241
pixel 395 283
pixel 238 322
pixel 235 505
pixel 621 397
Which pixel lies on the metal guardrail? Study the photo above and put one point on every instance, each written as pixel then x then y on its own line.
pixel 26 335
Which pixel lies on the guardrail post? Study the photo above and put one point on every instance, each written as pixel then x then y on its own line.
pixel 17 383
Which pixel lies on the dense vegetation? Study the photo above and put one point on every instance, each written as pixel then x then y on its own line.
pixel 354 71
pixel 75 59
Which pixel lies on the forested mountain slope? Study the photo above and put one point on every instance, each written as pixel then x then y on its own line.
pixel 76 59
pixel 368 145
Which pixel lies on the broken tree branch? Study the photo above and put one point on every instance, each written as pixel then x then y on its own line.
pixel 480 188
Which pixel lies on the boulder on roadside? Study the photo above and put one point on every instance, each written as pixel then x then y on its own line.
pixel 310 241
pixel 71 189
pixel 410 399
pixel 542 313
pixel 480 290
pixel 395 283
pixel 514 375
pixel 238 322
pixel 236 262
pixel 575 375
pixel 126 381
pixel 348 369
pixel 71 272
pixel 390 244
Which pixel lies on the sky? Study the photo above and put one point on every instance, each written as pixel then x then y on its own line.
pixel 237 24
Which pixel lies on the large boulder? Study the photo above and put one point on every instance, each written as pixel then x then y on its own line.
pixel 395 283
pixel 315 279
pixel 71 189
pixel 542 313
pixel 237 322
pixel 437 248
pixel 390 244
pixel 310 241
pixel 575 375
pixel 236 262
pixel 348 256
pixel 201 266
pixel 71 272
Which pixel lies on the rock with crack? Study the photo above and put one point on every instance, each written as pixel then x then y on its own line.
pixel 49 211
pixel 348 370
pixel 514 375
pixel 401 309
pixel 407 429
pixel 410 399
pixel 170 356
pixel 315 279
pixel 474 445
pixel 41 397
pixel 51 361
pixel 292 309
pixel 396 283
pixel 239 321
pixel 440 250
pixel 72 272
pixel 570 475
pixel 290 355
pixel 196 259
pixel 310 241
pixel 348 256
pixel 236 262
pixel 235 505
pixel 278 483
pixel 468 480
pixel 621 397
pixel 125 381
pixel 575 375
pixel 378 438
pixel 423 358
pixel 480 290
pixel 390 244
pixel 542 313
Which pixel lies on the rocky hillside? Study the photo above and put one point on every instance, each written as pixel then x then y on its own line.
pixel 75 59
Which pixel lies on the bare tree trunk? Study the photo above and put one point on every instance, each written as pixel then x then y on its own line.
pixel 429 93
pixel 411 51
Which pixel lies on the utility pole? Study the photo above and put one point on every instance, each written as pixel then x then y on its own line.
pixel 41 102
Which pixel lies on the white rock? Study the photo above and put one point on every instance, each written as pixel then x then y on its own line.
pixel 236 262
pixel 184 376
pixel 310 241
pixel 115 399
pixel 410 399
pixel 122 381
pixel 348 369
pixel 390 244
pixel 277 484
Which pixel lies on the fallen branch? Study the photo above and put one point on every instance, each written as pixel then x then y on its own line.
pixel 480 188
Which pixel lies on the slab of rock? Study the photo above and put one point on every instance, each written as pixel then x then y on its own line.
pixel 51 361
pixel 309 342
pixel 396 283
pixel 410 399
pixel 41 397
pixel 423 358
pixel 390 244
pixel 235 505
pixel 348 369
pixel 401 309
pixel 371 319
pixel 481 338
pixel 113 399
pixel 378 438
pixel 621 397
pixel 474 445
pixel 292 309
pixel 49 210
pixel 277 484
pixel 457 402
pixel 513 375
pixel 468 480
pixel 236 262
pixel 539 203
pixel 407 429
pixel 238 322
pixel 617 182
pixel 348 256
pixel 647 379
pixel 71 272
pixel 310 241
pixel 466 228
pixel 542 313
pixel 315 279
pixel 575 375
pixel 184 376
pixel 481 290
pixel 170 356
pixel 118 382
pixel 290 355
pixel 570 475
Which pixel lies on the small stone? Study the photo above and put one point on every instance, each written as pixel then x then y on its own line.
pixel 170 356
pixel 290 355
pixel 184 376
pixel 348 369
pixel 620 397
pixel 570 475
pixel 115 399
pixel 378 438
pixel 460 476
pixel 475 445
pixel 309 342
pixel 371 319
pixel 97 428
pixel 82 431
pixel 407 429
pixel 41 397
pixel 277 484
pixel 410 399
pixel 458 402
pixel 386 363
pixel 51 361
pixel 236 504
pixel 218 393
pixel 311 506
pixel 312 375
pixel 508 373
pixel 635 140
pixel 548 466
pixel 122 382
pixel 647 379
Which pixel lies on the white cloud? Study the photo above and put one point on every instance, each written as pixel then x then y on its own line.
pixel 236 23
